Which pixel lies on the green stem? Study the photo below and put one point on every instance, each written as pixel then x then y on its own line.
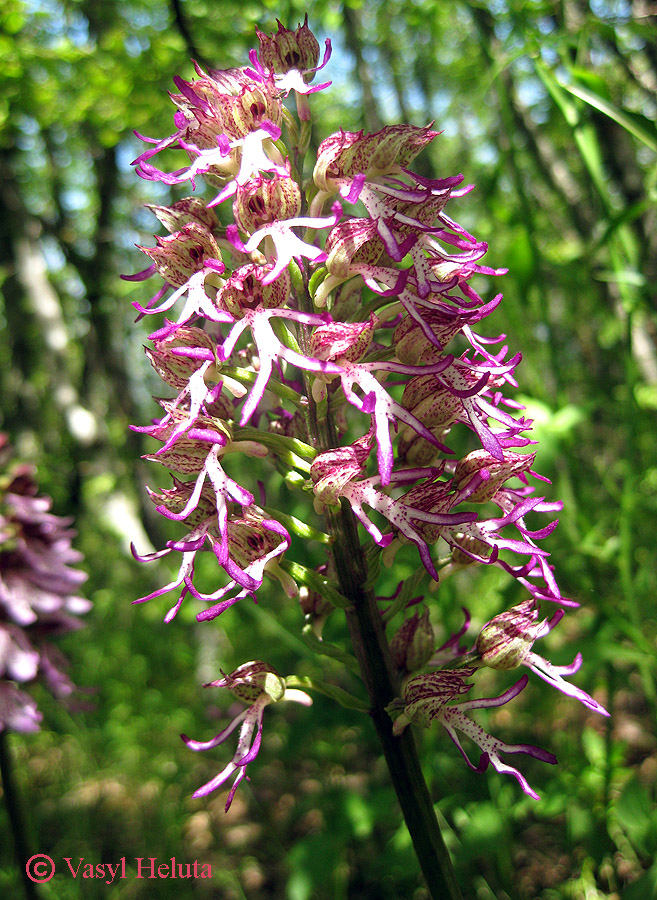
pixel 382 684
pixel 16 820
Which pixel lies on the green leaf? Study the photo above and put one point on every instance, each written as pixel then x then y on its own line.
pixel 295 272
pixel 294 445
pixel 643 889
pixel 584 133
pixel 284 334
pixel 637 125
pixel 634 811
pixel 622 276
pixel 325 649
pixel 408 591
pixel 592 80
pixel 555 89
pixel 629 214
pixel 316 279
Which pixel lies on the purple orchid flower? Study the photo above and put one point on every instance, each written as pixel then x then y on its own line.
pixel 428 697
pixel 258 684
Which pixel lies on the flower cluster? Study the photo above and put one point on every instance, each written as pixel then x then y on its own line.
pixel 313 329
pixel 38 594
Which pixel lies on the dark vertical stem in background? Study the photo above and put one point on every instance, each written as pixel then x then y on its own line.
pixel 371 118
pixel 186 35
pixel 19 404
pixel 16 820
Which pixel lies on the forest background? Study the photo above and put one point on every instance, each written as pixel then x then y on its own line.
pixel 549 109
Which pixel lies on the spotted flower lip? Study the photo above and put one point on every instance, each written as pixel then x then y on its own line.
pixel 403 516
pixel 383 408
pixel 253 546
pixel 237 169
pixel 270 349
pixel 198 302
pixel 288 245
pixel 245 546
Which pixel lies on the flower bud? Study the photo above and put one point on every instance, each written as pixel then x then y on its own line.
pixel 349 153
pixel 411 344
pixel 413 450
pixel 333 469
pixel 226 102
pixel 253 107
pixel 353 241
pixel 498 472
pixel 263 200
pixel 288 49
pixel 314 604
pixel 430 402
pixel 342 340
pixel 182 254
pixel 182 212
pixel 253 679
pixel 413 644
pixel 173 369
pixel 465 542
pixel 506 641
pixel 315 607
pixel 245 290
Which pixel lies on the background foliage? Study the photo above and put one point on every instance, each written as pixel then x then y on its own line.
pixel 549 108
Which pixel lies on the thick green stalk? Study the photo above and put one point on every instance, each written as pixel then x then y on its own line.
pixel 382 683
pixel 14 811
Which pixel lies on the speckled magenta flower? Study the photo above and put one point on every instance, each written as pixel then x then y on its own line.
pixel 38 594
pixel 257 684
pixel 506 643
pixel 429 697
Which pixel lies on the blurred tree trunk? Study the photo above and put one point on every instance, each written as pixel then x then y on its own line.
pixel 371 117
pixel 37 334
